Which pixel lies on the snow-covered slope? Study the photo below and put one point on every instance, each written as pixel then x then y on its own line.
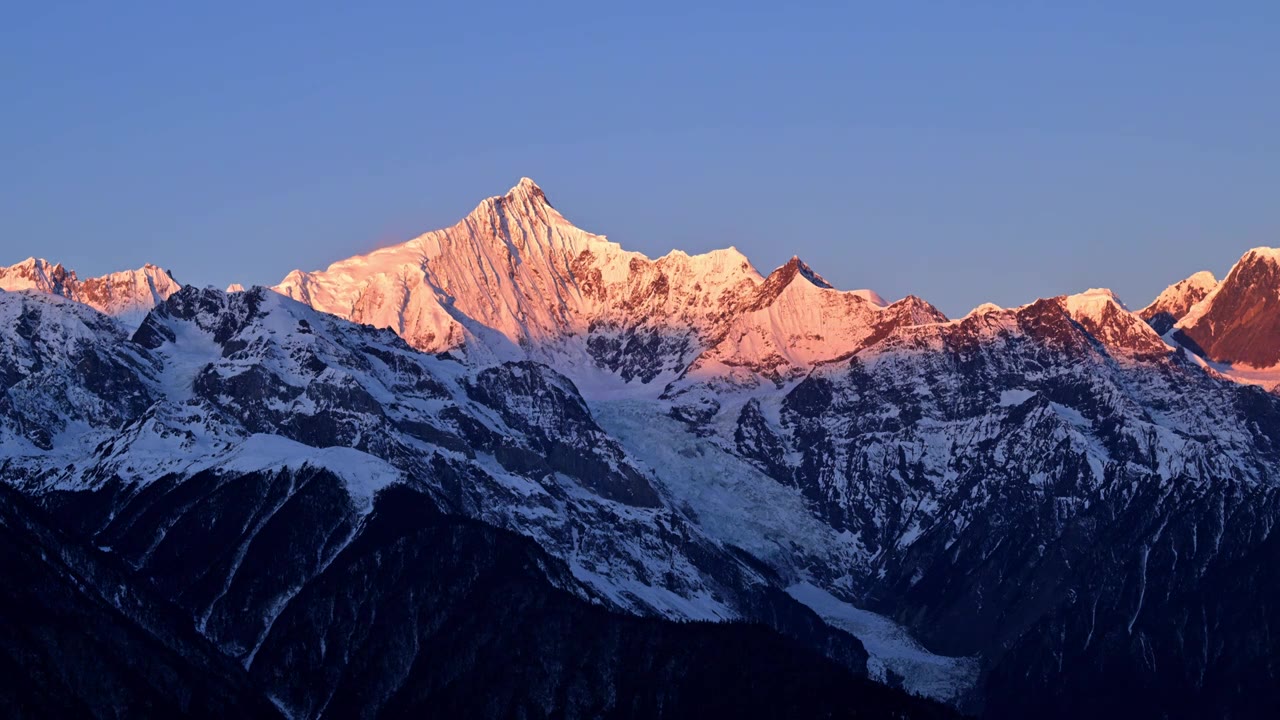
pixel 230 429
pixel 1055 456
pixel 64 367
pixel 743 507
pixel 895 655
pixel 793 321
pixel 252 382
pixel 127 295
pixel 1177 300
pixel 1123 333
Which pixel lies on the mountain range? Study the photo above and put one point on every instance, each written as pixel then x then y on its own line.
pixel 509 467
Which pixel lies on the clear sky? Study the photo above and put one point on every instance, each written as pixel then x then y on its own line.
pixel 961 151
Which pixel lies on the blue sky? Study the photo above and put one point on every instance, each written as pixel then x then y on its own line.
pixel 964 152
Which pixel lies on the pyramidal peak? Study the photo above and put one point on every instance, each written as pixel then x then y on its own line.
pixel 1253 271
pixel 782 278
pixel 802 268
pixel 521 220
pixel 797 268
pixel 527 188
pixel 525 199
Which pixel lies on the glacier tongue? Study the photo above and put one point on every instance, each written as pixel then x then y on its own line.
pixel 739 505
pixel 893 651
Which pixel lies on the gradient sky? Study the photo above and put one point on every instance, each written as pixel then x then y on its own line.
pixel 964 152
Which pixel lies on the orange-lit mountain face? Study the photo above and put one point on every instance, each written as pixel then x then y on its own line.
pixel 1177 300
pixel 128 295
pixel 1238 322
pixel 516 280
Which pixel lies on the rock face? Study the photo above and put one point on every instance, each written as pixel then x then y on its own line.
pixel 1177 300
pixel 63 364
pixel 1239 321
pixel 127 295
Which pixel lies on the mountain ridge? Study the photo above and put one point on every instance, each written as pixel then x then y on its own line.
pixel 127 295
pixel 973 499
pixel 555 293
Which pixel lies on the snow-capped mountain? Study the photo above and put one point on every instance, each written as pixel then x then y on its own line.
pixel 252 381
pixel 1061 402
pixel 234 449
pixel 1053 456
pixel 64 366
pixel 98 638
pixel 792 322
pixel 1176 301
pixel 516 280
pixel 126 295
pixel 1024 511
pixel 1108 322
pixel 1238 322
